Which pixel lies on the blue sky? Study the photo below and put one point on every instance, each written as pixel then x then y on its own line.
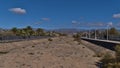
pixel 54 14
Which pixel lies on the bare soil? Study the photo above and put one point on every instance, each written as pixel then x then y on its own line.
pixel 61 52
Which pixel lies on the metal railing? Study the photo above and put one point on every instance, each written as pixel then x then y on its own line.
pixel 5 39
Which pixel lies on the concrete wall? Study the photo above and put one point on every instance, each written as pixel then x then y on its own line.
pixel 108 45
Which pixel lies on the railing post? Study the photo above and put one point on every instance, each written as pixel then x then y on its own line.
pixel 95 34
pixel 107 32
pixel 89 33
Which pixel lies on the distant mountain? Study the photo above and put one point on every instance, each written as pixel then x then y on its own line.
pixel 67 30
pixel 72 31
pixel 2 30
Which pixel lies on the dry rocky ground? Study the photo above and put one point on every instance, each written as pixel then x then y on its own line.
pixel 61 52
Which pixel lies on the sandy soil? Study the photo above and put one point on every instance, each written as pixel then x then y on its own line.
pixel 62 52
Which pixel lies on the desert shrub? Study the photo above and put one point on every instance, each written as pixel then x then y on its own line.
pixel 117 49
pixel 33 46
pixel 62 34
pixel 31 53
pixel 107 61
pixel 3 52
pixel 50 39
pixel 112 62
pixel 77 37
pixel 107 58
pixel 111 65
pixel 98 55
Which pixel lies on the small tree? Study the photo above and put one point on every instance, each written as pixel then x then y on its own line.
pixel 40 32
pixel 113 31
pixel 14 30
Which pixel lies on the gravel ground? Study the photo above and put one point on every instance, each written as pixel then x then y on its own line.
pixel 62 52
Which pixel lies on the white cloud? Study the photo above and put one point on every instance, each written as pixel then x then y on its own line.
pixel 99 24
pixel 38 23
pixel 18 10
pixel 116 15
pixel 45 19
pixel 110 24
pixel 74 22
